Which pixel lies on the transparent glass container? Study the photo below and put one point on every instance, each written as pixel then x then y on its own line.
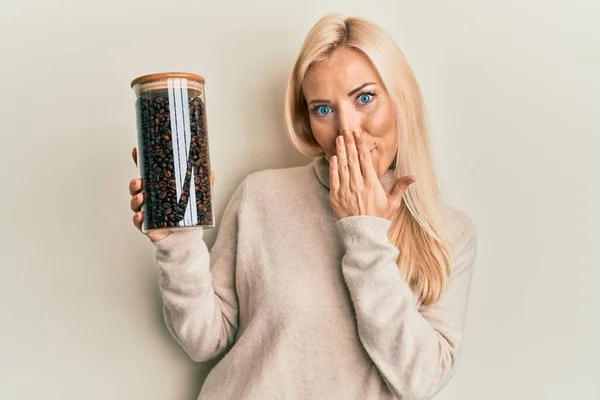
pixel 173 151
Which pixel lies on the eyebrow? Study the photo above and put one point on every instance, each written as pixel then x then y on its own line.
pixel 350 93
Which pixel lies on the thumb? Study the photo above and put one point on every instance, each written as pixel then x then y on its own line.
pixel 400 187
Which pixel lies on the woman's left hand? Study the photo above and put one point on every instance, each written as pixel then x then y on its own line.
pixel 355 186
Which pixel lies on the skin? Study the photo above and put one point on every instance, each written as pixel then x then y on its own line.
pixel 345 91
pixel 353 120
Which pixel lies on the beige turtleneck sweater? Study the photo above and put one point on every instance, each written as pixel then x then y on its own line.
pixel 302 306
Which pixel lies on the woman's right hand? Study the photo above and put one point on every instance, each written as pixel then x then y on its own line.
pixel 137 201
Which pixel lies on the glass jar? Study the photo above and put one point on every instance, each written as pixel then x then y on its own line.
pixel 173 151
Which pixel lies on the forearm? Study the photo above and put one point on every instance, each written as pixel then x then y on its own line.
pixel 193 311
pixel 415 355
pixel 410 354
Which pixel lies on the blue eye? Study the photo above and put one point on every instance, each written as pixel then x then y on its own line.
pixel 323 110
pixel 365 98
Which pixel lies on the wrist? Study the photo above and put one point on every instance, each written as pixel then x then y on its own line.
pixel 178 240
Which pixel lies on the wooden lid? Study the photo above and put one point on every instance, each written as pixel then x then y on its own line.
pixel 166 75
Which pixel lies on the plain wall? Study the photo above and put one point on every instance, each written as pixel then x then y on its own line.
pixel 512 94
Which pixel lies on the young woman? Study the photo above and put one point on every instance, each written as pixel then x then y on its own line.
pixel 347 278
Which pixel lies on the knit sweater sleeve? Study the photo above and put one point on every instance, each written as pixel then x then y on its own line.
pixel 414 348
pixel 200 303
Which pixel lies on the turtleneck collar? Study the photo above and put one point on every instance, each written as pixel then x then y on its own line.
pixel 321 165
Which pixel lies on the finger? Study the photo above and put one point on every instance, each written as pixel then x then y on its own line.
pixel 334 177
pixel 400 187
pixel 355 178
pixel 135 186
pixel 138 217
pixel 365 160
pixel 134 155
pixel 136 202
pixel 342 162
pixel 212 177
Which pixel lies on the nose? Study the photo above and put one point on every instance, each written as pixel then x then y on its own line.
pixel 348 117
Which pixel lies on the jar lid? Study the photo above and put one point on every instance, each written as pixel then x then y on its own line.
pixel 166 75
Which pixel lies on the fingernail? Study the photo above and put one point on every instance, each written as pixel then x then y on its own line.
pixel 356 134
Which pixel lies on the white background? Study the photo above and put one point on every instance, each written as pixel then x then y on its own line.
pixel 512 94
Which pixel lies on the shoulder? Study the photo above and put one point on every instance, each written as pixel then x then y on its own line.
pixel 459 224
pixel 264 188
pixel 462 233
pixel 277 180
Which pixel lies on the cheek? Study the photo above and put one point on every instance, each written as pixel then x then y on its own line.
pixel 382 127
pixel 325 136
pixel 382 123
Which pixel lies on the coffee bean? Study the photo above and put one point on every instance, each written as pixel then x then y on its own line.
pixel 160 168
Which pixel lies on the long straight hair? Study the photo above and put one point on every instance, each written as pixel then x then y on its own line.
pixel 417 228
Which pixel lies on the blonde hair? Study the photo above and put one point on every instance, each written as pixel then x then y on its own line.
pixel 417 228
